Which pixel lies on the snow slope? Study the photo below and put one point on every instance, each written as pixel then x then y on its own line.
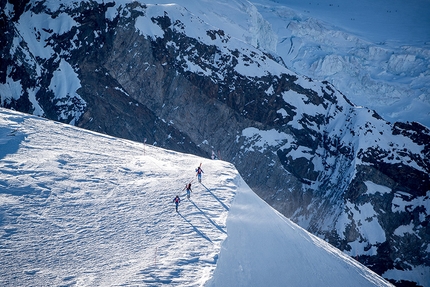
pixel 79 208
pixel 83 209
pixel 263 248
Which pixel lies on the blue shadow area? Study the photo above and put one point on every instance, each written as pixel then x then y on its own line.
pixel 210 220
pixel 196 229
pixel 39 193
pixel 219 200
pixel 10 139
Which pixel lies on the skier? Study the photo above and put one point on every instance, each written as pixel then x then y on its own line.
pixel 199 173
pixel 188 188
pixel 177 200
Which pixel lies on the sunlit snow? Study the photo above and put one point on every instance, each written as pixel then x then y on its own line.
pixel 84 209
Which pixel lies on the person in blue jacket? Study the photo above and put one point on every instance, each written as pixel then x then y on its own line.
pixel 177 200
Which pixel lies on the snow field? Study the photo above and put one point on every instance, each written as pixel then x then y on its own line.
pixel 82 209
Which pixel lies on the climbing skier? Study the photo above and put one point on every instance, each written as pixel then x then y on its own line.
pixel 188 188
pixel 199 173
pixel 177 200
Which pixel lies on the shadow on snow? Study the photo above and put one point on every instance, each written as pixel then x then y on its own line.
pixel 219 200
pixel 208 218
pixel 196 229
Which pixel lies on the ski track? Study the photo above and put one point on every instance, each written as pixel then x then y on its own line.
pixel 91 210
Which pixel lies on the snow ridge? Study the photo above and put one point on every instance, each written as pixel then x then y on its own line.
pixel 85 209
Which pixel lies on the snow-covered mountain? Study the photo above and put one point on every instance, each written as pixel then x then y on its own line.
pixel 203 77
pixel 375 52
pixel 84 209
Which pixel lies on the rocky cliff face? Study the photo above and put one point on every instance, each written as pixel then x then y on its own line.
pixel 159 73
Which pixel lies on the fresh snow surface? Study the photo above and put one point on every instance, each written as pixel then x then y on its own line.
pixel 79 208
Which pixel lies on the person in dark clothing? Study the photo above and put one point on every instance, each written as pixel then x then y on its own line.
pixel 199 173
pixel 177 200
pixel 188 188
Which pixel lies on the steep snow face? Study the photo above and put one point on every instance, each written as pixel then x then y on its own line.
pixel 251 239
pixel 64 84
pixel 239 19
pixel 192 26
pixel 81 208
pixel 46 27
